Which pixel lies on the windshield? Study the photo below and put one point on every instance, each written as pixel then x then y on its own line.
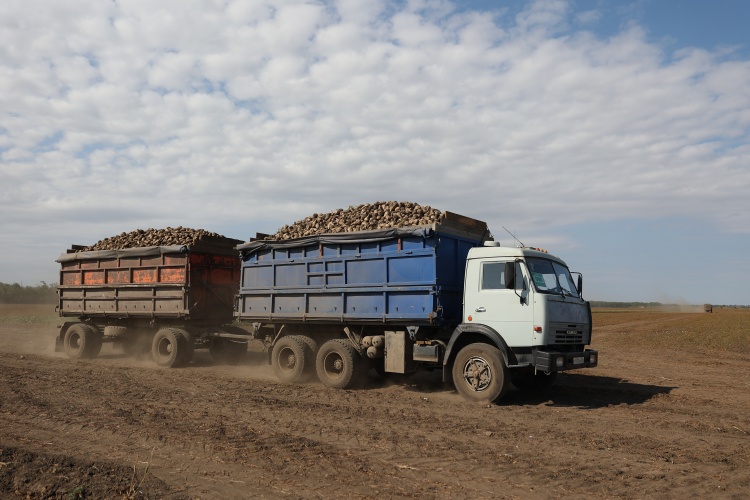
pixel 551 277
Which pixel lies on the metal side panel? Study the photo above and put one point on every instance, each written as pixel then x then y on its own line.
pixel 398 353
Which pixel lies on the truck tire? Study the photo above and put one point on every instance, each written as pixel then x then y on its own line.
pixel 187 353
pixel 534 383
pixel 168 348
pixel 311 346
pixel 480 374
pixel 227 350
pixel 289 359
pixel 338 365
pixel 82 341
pixel 116 331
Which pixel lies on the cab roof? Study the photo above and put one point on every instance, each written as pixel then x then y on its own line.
pixel 496 251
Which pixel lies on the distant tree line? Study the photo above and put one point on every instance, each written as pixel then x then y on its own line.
pixel 625 305
pixel 19 294
pixel 645 305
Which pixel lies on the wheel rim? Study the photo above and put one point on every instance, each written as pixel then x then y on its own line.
pixel 164 348
pixel 477 373
pixel 74 342
pixel 333 365
pixel 286 360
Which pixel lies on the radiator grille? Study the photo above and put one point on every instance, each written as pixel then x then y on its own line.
pixel 564 334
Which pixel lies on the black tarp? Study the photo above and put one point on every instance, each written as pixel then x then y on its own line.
pixel 124 252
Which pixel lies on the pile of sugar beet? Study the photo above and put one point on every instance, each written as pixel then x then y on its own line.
pixel 368 216
pixel 153 238
pixel 378 215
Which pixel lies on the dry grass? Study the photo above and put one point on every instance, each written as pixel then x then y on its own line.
pixel 726 329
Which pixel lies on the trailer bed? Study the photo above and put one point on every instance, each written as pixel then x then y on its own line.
pixel 193 281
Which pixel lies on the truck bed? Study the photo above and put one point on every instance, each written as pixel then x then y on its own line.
pixel 401 275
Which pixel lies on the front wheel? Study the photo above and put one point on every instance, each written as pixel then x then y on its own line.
pixel 480 374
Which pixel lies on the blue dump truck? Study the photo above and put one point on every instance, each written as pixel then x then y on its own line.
pixel 437 297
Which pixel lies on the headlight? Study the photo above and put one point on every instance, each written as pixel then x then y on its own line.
pixel 560 362
pixel 592 359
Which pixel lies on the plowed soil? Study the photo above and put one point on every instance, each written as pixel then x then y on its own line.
pixel 649 422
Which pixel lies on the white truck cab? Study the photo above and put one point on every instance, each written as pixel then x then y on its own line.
pixel 524 302
pixel 539 306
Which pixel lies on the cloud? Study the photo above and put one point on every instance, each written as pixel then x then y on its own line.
pixel 252 115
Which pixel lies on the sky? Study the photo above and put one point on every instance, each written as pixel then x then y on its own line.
pixel 615 134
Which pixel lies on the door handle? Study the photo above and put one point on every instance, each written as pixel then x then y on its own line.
pixel 480 310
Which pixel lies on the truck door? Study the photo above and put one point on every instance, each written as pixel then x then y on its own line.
pixel 488 301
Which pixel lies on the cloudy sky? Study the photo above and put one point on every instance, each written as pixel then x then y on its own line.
pixel 614 134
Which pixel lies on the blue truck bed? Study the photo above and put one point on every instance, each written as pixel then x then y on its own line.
pixel 405 275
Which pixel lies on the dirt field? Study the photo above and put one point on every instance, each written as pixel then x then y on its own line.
pixel 659 418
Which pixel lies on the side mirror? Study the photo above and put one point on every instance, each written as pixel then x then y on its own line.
pixel 580 285
pixel 510 275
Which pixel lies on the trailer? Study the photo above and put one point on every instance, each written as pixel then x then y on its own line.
pixel 166 300
pixel 437 297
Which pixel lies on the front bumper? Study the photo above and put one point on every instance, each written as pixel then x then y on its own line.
pixel 552 361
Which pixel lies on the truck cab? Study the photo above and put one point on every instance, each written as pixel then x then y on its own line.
pixel 525 303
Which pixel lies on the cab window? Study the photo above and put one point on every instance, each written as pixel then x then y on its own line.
pixel 493 276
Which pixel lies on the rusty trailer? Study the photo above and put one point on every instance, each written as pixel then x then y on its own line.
pixel 163 299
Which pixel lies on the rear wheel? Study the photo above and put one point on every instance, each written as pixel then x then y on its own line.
pixel 480 374
pixel 169 348
pixel 311 348
pixel 82 341
pixel 289 359
pixel 338 365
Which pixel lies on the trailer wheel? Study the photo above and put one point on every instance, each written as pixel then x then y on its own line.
pixel 531 382
pixel 338 364
pixel 480 374
pixel 187 353
pixel 82 341
pixel 289 359
pixel 168 348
